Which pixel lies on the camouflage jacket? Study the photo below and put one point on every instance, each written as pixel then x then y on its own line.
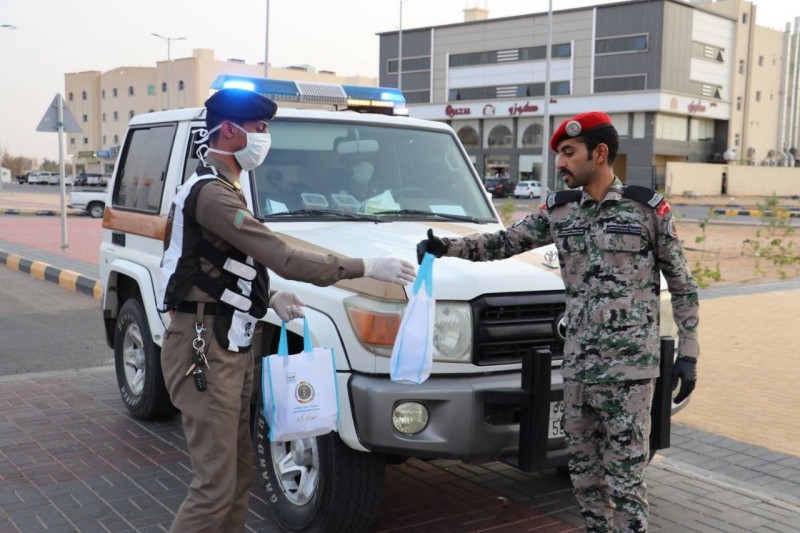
pixel 610 253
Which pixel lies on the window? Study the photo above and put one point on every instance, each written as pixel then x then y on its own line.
pixel 70 97
pixel 83 95
pixel 104 140
pixel 708 52
pixel 532 136
pixel 411 64
pixel 115 116
pixel 114 92
pixel 617 45
pixel 151 89
pixel 531 53
pixel 86 140
pixel 72 141
pixel 130 114
pixel 469 137
pixel 706 89
pixel 104 117
pixel 620 84
pixel 701 129
pixel 103 94
pixel 163 86
pixel 180 85
pixel 417 97
pixel 500 137
pixel 130 90
pixel 744 18
pixel 760 61
pixel 508 91
pixel 738 103
pixel 85 118
pixel 116 139
pixel 758 96
pixel 144 168
pixel 671 127
pixel 741 66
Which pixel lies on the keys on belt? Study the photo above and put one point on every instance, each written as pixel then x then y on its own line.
pixel 199 359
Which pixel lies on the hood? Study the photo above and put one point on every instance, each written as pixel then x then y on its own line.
pixel 454 279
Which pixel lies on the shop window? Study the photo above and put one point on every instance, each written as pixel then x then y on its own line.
pixel 500 137
pixel 469 137
pixel 532 136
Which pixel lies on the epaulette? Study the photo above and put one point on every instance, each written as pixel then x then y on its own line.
pixel 643 195
pixel 562 197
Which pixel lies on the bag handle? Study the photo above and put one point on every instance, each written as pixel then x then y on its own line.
pixel 425 275
pixel 283 343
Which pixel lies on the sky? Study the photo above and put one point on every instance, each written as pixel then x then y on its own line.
pixel 55 37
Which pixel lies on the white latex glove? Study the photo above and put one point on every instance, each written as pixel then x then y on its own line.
pixel 287 305
pixel 390 269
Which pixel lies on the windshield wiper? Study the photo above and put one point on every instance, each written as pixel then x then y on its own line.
pixel 310 213
pixel 448 216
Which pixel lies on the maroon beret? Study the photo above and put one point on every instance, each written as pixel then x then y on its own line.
pixel 581 123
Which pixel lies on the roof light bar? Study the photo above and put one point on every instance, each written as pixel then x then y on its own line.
pixel 353 96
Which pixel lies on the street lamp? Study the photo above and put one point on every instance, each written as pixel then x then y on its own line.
pixel 169 61
pixel 266 44
pixel 546 128
pixel 400 50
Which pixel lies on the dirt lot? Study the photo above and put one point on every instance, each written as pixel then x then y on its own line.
pixel 740 254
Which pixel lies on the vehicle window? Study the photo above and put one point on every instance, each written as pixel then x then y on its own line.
pixel 365 169
pixel 141 174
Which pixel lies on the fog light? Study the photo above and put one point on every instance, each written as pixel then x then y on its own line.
pixel 410 418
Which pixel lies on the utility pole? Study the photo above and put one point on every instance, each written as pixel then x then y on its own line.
pixel 169 62
pixel 546 125
pixel 266 45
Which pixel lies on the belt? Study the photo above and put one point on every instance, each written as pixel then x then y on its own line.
pixel 210 308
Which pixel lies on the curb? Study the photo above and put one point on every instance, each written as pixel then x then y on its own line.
pixel 41 212
pixel 736 211
pixel 66 278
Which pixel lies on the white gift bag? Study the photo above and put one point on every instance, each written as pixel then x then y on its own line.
pixel 299 391
pixel 412 353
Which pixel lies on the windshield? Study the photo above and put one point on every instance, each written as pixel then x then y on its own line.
pixel 328 169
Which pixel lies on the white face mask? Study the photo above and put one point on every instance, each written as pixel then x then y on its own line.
pixel 362 172
pixel 251 155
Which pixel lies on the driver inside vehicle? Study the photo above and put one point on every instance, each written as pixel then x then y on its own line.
pixel 355 175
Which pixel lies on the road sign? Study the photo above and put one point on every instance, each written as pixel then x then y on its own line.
pixel 49 122
pixel 103 154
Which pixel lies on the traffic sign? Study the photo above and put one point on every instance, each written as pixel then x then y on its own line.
pixel 49 122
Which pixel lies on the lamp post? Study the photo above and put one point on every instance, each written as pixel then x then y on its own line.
pixel 169 61
pixel 546 125
pixel 400 50
pixel 10 27
pixel 266 45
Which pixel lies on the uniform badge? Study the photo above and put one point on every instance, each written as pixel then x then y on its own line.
pixel 237 185
pixel 671 228
pixel 573 128
pixel 663 208
pixel 240 216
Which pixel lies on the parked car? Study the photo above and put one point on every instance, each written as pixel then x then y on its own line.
pixel 528 189
pixel 37 178
pixel 500 187
pixel 91 201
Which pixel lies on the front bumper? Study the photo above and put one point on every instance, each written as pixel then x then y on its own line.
pixel 465 422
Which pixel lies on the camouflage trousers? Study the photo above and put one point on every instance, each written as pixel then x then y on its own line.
pixel 607 427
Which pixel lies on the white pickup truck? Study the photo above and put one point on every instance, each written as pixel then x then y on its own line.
pixel 491 320
pixel 91 201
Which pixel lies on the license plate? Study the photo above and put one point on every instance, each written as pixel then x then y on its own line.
pixel 556 424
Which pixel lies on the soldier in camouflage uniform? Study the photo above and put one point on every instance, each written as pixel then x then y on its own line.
pixel 613 241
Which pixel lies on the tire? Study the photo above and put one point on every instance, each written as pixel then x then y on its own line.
pixel 345 486
pixel 137 360
pixel 96 209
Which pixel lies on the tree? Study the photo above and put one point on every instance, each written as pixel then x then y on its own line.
pixel 18 165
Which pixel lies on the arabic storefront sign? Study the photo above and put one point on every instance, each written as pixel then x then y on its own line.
pixel 518 109
pixel 451 111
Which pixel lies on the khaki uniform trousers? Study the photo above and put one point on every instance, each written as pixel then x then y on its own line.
pixel 216 423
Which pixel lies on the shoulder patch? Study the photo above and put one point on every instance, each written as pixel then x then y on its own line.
pixel 562 197
pixel 241 214
pixel 646 196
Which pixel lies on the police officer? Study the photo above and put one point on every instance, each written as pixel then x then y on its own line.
pixel 612 240
pixel 214 284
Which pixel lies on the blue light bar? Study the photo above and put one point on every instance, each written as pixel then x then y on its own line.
pixel 351 96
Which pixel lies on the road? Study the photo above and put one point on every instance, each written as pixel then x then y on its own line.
pixel 44 327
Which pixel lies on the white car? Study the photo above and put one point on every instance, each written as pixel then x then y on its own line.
pixel 528 189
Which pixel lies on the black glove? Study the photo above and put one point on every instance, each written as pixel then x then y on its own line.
pixel 433 245
pixel 684 369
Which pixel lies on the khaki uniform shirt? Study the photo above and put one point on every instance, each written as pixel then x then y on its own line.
pixel 610 254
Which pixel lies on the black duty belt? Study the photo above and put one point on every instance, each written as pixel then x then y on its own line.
pixel 210 308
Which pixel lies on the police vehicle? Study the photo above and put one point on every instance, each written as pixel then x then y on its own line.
pixel 491 318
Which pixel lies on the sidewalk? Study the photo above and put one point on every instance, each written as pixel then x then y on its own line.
pixel 72 459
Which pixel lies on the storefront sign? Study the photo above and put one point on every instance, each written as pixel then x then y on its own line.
pixel 696 108
pixel 489 110
pixel 518 109
pixel 451 111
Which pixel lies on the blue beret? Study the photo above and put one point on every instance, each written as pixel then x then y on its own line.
pixel 581 123
pixel 241 104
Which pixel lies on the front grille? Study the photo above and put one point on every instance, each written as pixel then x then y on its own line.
pixel 510 326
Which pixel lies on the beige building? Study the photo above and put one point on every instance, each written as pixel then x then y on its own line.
pixel 104 102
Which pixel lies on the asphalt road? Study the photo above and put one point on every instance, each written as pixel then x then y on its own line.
pixel 44 327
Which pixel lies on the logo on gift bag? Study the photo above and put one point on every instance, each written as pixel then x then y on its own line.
pixel 304 392
pixel 291 377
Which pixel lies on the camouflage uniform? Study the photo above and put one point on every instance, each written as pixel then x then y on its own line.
pixel 610 253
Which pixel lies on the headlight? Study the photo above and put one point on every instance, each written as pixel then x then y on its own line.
pixel 410 418
pixel 452 336
pixel 376 323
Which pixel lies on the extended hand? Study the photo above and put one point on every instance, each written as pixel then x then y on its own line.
pixel 287 305
pixel 390 269
pixel 432 245
pixel 685 370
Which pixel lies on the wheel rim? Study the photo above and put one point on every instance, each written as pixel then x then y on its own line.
pixel 96 211
pixel 133 358
pixel 296 466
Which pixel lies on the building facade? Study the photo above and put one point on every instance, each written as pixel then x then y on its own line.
pixel 104 102
pixel 682 81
